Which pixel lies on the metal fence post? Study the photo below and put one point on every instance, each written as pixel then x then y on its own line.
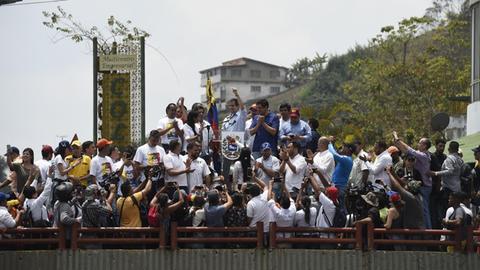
pixel 161 231
pixel 273 235
pixel 259 234
pixel 358 236
pixel 74 245
pixel 458 239
pixel 61 238
pixel 371 236
pixel 470 239
pixel 173 234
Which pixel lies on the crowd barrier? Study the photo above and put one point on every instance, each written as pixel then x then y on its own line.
pixel 361 237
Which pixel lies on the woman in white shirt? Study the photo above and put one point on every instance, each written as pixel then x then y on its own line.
pixel 242 169
pixel 190 133
pixel 306 215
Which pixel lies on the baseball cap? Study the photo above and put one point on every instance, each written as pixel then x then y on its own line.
pixel 265 146
pixel 332 193
pixel 295 112
pixel 392 149
pixel 14 149
pixel 77 143
pixel 47 149
pixel 476 149
pixel 4 197
pixel 64 145
pixel 102 143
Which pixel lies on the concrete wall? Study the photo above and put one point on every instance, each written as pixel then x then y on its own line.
pixel 473 118
pixel 235 259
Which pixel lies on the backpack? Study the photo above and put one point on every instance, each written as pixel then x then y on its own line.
pixel 339 219
pixel 466 180
pixel 27 219
pixel 153 217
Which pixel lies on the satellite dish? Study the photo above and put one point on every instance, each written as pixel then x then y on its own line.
pixel 440 121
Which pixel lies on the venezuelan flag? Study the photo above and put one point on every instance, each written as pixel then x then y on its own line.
pixel 212 112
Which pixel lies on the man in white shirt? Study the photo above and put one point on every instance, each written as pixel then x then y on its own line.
pixel 360 173
pixel 170 128
pixel 382 162
pixel 176 169
pixel 283 211
pixel 267 165
pixel 200 172
pixel 6 220
pixel 45 163
pixel 285 110
pixel 150 155
pixel 101 165
pixel 35 202
pixel 257 208
pixel 322 162
pixel 294 166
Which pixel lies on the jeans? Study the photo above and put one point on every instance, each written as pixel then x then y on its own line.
pixel 425 191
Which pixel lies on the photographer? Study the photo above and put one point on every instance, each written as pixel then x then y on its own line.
pixel 128 204
pixel 97 208
pixel 101 165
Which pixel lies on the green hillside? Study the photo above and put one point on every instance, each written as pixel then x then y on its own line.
pixel 405 75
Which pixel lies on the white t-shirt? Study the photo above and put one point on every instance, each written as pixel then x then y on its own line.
pixel 147 155
pixel 329 208
pixel 258 211
pixel 174 161
pixel 295 179
pixel 272 163
pixel 59 160
pixel 299 220
pixel 238 171
pixel 283 217
pixel 248 137
pixel 101 167
pixel 379 165
pixel 165 123
pixel 127 174
pixel 207 135
pixel 357 170
pixel 195 178
pixel 325 164
pixel 43 165
pixel 187 134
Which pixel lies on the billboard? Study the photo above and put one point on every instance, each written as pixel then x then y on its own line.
pixel 116 124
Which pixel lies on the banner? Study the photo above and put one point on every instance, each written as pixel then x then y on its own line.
pixel 232 144
pixel 116 108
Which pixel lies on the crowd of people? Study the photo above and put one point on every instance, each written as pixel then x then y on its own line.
pixel 286 173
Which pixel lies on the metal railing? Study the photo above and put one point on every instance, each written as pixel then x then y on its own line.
pixel 351 238
pixel 175 230
pixel 309 235
pixel 117 235
pixel 20 238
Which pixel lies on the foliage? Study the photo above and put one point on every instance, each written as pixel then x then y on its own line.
pixel 405 75
pixel 69 28
pixel 304 70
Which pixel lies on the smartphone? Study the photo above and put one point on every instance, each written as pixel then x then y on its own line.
pixel 170 184
pixel 277 180
pixel 9 147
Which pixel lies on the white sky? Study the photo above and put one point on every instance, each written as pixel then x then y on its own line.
pixel 46 88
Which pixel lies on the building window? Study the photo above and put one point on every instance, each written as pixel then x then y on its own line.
pixel 236 73
pixel 255 89
pixel 223 94
pixel 255 73
pixel 274 74
pixel 274 90
pixel 224 72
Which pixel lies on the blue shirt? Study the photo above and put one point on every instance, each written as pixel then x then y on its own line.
pixel 262 134
pixel 342 169
pixel 301 129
